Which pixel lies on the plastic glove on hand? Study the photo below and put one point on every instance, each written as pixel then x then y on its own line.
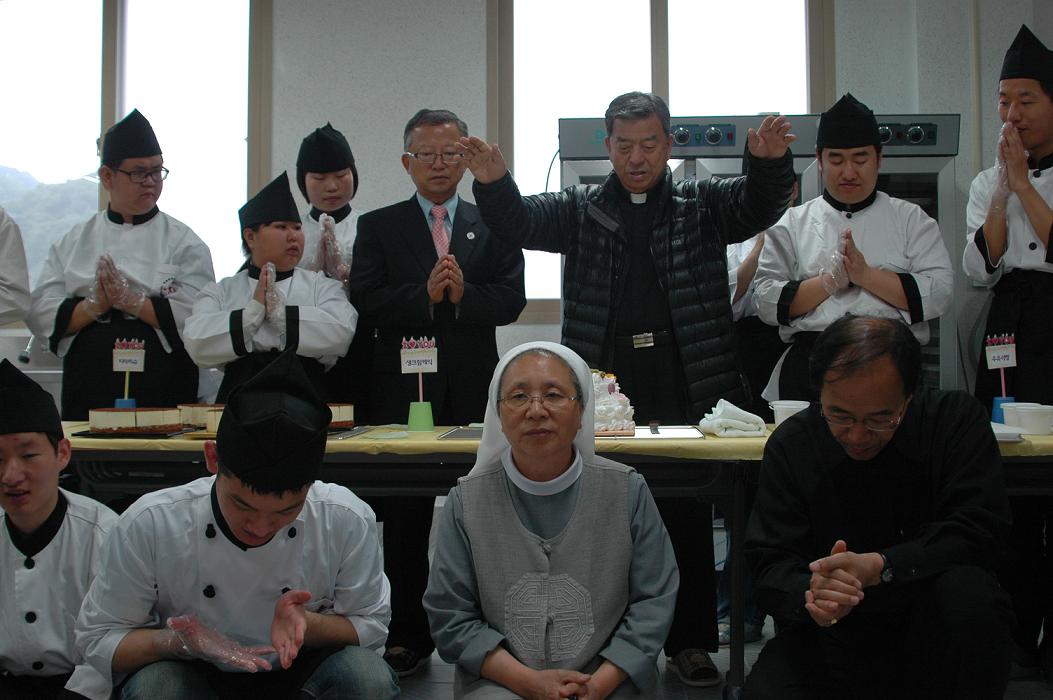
pixel 96 303
pixel 185 637
pixel 833 274
pixel 122 292
pixel 274 300
pixel 331 259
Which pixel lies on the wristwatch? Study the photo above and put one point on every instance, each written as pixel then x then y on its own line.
pixel 886 570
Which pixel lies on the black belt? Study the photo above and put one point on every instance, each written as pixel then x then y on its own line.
pixel 644 340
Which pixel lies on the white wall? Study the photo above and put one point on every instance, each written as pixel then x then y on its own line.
pixel 367 66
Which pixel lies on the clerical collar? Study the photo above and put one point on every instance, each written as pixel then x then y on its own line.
pixel 221 522
pixel 136 219
pixel 1042 164
pixel 254 272
pixel 638 197
pixel 32 544
pixel 541 488
pixel 849 208
pixel 338 215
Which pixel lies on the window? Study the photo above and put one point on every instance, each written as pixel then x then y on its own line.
pixel 571 59
pixel 48 156
pixel 186 68
pixel 737 66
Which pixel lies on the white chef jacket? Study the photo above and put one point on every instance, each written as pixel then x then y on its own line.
pixel 736 254
pixel 173 538
pixel 345 231
pixel 327 319
pixel 1024 249
pixel 161 255
pixel 891 233
pixel 50 585
pixel 14 278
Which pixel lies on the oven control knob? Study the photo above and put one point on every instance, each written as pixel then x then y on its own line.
pixel 915 134
pixel 884 134
pixel 714 135
pixel 681 136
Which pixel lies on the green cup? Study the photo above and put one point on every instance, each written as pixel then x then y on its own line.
pixel 420 420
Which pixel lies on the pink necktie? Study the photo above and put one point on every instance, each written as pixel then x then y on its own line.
pixel 438 230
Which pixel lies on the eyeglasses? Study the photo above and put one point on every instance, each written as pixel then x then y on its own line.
pixel 139 176
pixel 551 400
pixel 429 158
pixel 875 425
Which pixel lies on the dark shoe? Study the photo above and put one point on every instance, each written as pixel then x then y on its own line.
pixel 404 661
pixel 751 633
pixel 694 667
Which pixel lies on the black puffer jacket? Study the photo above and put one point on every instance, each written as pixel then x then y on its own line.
pixel 696 220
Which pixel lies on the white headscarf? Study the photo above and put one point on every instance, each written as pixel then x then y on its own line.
pixel 494 443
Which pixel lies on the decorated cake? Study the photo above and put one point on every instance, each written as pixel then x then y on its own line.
pixel 134 420
pixel 614 413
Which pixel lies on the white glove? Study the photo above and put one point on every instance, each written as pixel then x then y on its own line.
pixel 274 300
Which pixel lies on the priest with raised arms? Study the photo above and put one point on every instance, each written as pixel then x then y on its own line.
pixel 130 271
pixel 243 322
pixel 255 581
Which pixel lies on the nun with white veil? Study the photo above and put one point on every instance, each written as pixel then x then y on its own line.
pixel 553 573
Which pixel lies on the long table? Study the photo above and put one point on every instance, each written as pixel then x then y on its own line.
pixel 719 470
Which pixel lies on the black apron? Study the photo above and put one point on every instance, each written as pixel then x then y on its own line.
pixel 1022 306
pixel 249 365
pixel 88 380
pixel 793 378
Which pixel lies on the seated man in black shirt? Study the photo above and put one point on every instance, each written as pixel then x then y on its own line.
pixel 880 518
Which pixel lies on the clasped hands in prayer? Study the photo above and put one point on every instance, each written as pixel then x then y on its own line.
pixel 837 583
pixel 186 637
pixel 268 294
pixel 845 266
pixel 113 289
pixel 446 278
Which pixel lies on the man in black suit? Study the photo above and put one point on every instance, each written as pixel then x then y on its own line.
pixel 429 266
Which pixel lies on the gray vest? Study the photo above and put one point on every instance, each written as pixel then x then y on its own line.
pixel 557 601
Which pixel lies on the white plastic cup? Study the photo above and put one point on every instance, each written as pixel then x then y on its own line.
pixel 1009 411
pixel 1035 420
pixel 785 408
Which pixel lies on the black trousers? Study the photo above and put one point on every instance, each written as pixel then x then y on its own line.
pixel 1028 577
pixel 945 637
pixel 653 380
pixel 35 687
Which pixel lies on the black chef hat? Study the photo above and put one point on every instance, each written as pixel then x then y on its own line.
pixel 848 124
pixel 132 137
pixel 26 407
pixel 273 430
pixel 273 203
pixel 1027 57
pixel 324 150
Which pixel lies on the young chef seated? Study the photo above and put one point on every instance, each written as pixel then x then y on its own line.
pixel 527 594
pixel 256 582
pixel 879 522
pixel 852 250
pixel 242 322
pixel 130 271
pixel 50 549
pixel 328 179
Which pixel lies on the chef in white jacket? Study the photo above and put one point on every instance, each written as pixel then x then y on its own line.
pixel 852 250
pixel 130 271
pixel 14 279
pixel 256 581
pixel 242 322
pixel 50 549
pixel 328 179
